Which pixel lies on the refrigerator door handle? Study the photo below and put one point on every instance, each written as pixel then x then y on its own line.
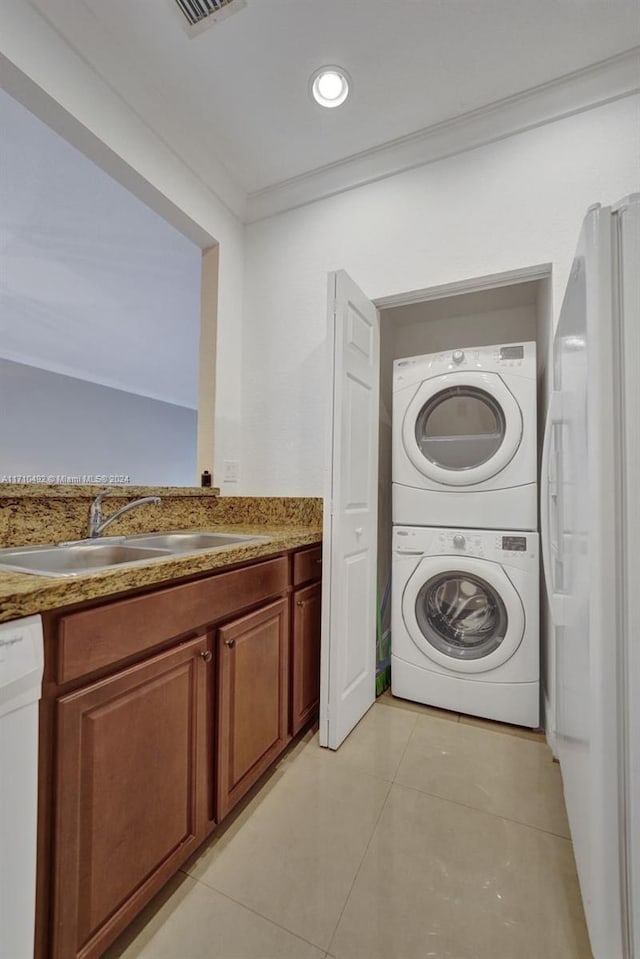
pixel 549 507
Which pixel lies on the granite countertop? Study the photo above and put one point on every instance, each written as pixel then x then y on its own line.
pixel 24 594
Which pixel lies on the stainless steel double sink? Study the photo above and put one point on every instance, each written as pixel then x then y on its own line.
pixel 94 555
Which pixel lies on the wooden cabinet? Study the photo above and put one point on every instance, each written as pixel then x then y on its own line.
pixel 305 655
pixel 131 781
pixel 307 565
pixel 135 625
pixel 253 703
pixel 160 710
pixel 305 636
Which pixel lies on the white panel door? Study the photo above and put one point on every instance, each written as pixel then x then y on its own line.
pixel 350 513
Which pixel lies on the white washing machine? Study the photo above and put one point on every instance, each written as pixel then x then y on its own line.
pixel 465 621
pixel 465 438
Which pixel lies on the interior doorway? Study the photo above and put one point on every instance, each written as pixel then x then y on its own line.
pixel 509 308
pixel 503 309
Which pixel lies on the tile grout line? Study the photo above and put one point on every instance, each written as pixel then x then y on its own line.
pixel 373 832
pixel 250 909
pixel 488 812
pixel 362 858
pixel 528 734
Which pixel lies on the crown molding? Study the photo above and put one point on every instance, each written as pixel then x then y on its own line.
pixel 573 93
pixel 477 284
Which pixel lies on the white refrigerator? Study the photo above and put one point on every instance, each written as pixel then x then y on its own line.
pixel 590 515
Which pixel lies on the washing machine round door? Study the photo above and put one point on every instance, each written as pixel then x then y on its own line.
pixel 462 428
pixel 463 613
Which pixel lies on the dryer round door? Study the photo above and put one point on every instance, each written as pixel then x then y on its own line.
pixel 464 614
pixel 462 428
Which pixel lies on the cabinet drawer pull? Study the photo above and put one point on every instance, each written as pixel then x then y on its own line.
pixel 300 602
pixel 319 562
pixel 230 643
pixel 207 655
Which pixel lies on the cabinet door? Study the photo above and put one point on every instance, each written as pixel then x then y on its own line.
pixel 305 652
pixel 132 791
pixel 253 705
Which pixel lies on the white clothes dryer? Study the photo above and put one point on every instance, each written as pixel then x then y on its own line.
pixel 465 438
pixel 465 621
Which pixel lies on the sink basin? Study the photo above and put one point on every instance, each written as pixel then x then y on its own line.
pixel 73 559
pixel 86 556
pixel 184 541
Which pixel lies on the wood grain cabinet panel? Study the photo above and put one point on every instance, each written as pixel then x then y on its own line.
pixel 305 655
pixel 307 565
pixel 253 706
pixel 131 793
pixel 95 638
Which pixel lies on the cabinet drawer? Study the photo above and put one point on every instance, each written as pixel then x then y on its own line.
pixel 98 637
pixel 307 564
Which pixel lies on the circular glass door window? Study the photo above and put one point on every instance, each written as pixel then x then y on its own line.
pixel 461 615
pixel 460 427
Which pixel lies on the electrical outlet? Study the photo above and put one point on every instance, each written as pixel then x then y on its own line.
pixel 231 471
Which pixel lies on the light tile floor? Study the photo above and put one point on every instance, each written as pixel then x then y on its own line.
pixel 428 835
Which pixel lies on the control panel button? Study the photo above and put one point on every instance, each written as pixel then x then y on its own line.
pixel 459 541
pixel 458 357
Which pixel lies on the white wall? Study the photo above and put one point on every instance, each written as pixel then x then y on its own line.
pixel 63 426
pixel 514 324
pixel 44 73
pixel 502 207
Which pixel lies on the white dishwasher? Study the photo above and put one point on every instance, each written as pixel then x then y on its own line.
pixel 21 664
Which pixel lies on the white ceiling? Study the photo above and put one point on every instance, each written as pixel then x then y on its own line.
pixel 233 100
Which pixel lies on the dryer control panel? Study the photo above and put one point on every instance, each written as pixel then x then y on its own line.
pixel 518 358
pixel 511 355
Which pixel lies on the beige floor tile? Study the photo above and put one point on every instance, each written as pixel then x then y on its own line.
pixel 375 746
pixel 446 882
pixel 198 923
pixel 504 775
pixel 296 855
pixel 522 732
pixel 299 745
pixel 388 699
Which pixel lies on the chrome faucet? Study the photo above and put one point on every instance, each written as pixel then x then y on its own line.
pixel 97 525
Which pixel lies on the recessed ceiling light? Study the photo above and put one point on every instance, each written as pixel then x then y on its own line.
pixel 330 86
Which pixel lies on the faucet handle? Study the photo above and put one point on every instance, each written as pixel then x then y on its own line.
pixel 95 512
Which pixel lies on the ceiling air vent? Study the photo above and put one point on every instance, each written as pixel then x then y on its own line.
pixel 201 13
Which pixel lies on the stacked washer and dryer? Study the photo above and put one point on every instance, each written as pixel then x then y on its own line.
pixel 465 568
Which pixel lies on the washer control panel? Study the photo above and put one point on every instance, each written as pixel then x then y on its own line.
pixel 514 544
pixel 463 543
pixel 512 547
